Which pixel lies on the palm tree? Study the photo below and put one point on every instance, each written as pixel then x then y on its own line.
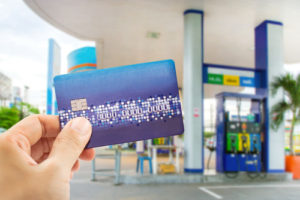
pixel 291 103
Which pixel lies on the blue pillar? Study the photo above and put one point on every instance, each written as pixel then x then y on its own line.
pixel 269 58
pixel 193 91
pixel 53 70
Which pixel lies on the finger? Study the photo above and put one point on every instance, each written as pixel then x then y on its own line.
pixel 70 143
pixel 37 151
pixel 76 166
pixel 87 154
pixel 43 157
pixel 36 126
pixel 71 175
pixel 43 146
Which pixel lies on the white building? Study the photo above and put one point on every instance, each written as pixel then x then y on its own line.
pixel 5 89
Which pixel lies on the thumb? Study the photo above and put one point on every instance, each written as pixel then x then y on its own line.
pixel 70 142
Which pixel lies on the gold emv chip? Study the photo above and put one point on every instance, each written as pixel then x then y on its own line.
pixel 79 104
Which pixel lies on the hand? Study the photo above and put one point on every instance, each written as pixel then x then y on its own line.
pixel 37 159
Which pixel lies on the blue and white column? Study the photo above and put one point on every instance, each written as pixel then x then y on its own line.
pixel 269 58
pixel 53 70
pixel 193 91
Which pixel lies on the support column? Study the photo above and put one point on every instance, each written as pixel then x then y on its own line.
pixel 193 91
pixel 54 65
pixel 269 58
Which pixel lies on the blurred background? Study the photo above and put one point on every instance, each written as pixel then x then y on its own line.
pixel 228 55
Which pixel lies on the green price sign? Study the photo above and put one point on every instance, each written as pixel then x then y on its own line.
pixel 215 79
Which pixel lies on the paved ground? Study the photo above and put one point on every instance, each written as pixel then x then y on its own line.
pixel 83 189
pixel 106 191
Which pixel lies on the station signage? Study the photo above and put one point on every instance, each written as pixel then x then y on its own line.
pixel 230 77
pixel 215 79
pixel 231 80
pixel 247 82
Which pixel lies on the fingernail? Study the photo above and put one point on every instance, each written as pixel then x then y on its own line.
pixel 81 125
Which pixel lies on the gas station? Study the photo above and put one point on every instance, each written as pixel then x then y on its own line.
pixel 238 131
pixel 229 52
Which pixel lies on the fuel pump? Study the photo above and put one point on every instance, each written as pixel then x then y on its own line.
pixel 232 146
pixel 239 129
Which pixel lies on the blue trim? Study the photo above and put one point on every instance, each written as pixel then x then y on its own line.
pixel 258 79
pixel 270 22
pixel 261 62
pixel 186 170
pixel 267 132
pixel 261 49
pixel 193 11
pixel 205 74
pixel 220 130
pixel 276 171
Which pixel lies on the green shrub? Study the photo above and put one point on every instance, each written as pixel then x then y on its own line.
pixel 9 117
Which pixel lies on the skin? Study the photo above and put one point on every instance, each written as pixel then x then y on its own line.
pixel 37 159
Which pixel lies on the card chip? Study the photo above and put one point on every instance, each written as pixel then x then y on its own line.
pixel 79 104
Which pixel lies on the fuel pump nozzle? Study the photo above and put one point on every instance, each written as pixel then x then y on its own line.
pixel 255 150
pixel 244 143
pixel 255 141
pixel 233 141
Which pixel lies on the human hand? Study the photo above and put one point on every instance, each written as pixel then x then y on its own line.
pixel 37 159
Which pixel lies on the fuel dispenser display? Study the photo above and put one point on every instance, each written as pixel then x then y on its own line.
pixel 240 125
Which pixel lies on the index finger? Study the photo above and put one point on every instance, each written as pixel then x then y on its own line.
pixel 36 126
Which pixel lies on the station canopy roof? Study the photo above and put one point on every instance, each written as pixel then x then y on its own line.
pixel 135 31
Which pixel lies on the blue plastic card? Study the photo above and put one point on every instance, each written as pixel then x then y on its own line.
pixel 123 104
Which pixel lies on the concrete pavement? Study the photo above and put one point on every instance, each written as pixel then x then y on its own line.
pixel 107 191
pixel 83 188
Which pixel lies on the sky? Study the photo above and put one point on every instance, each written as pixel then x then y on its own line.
pixel 24 48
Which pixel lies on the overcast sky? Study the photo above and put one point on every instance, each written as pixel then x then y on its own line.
pixel 24 48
